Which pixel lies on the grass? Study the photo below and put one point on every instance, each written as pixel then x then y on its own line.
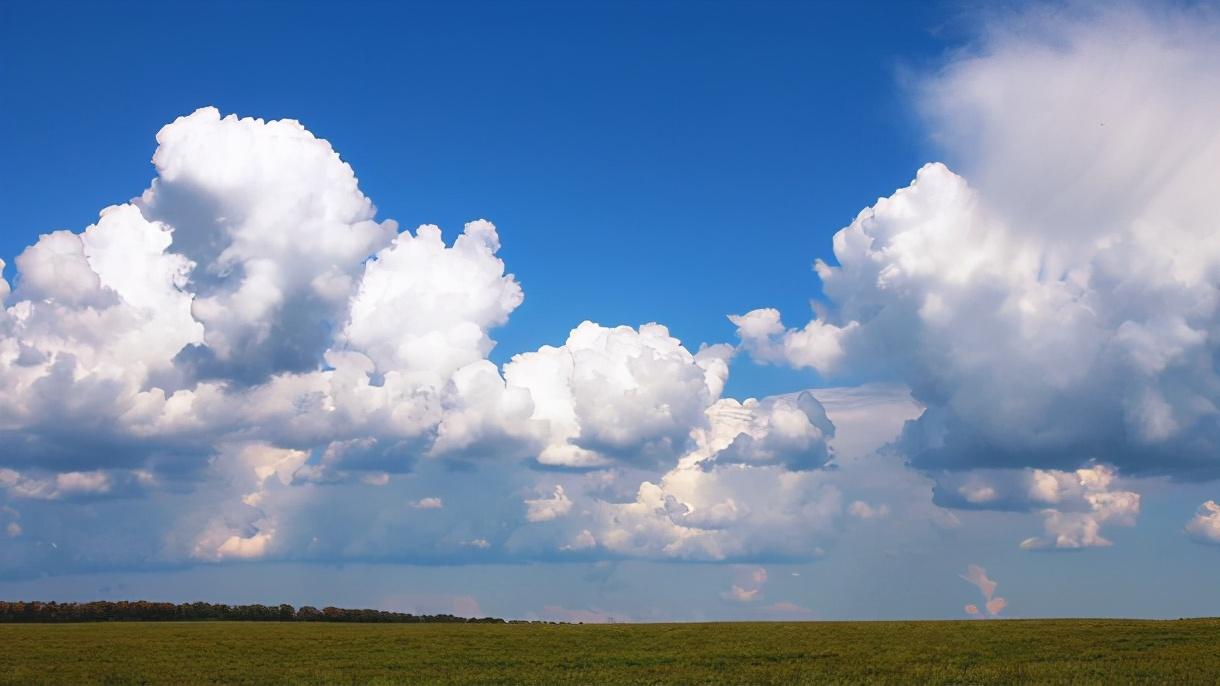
pixel 1026 651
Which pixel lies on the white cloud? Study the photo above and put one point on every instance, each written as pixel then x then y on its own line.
pixel 722 500
pixel 1205 525
pixel 786 430
pixel 1060 308
pixel 582 541
pixel 5 289
pixel 617 394
pixel 1073 504
pixel 93 484
pixel 278 229
pixel 248 334
pixel 424 309
pixel 547 508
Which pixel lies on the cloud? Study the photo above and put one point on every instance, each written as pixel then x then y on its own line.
pixel 862 510
pixel 1073 504
pixel 710 508
pixel 545 509
pixel 618 394
pixel 783 430
pixel 749 585
pixel 424 308
pixel 90 485
pixel 278 229
pixel 210 308
pixel 1204 527
pixel 992 604
pixel 719 502
pixel 1058 310
pixel 249 337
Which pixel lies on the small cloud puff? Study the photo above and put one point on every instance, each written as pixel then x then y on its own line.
pixel 1205 526
pixel 992 604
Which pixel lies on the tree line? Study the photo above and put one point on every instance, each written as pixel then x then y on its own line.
pixel 145 611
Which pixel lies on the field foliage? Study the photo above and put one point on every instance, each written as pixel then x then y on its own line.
pixel 978 652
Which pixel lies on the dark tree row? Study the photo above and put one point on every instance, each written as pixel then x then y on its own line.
pixel 144 611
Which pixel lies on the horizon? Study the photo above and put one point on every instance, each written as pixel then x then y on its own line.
pixel 613 313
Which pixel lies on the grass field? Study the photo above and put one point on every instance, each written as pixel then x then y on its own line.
pixel 1060 651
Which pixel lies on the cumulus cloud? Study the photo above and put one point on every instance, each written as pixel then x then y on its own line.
pixel 783 430
pixel 247 329
pixel 715 506
pixel 1059 309
pixel 618 394
pixel 1204 527
pixel 992 604
pixel 425 309
pixel 208 307
pixel 247 334
pixel 278 229
pixel 547 508
pixel 94 484
pixel 1073 504
pixel 738 492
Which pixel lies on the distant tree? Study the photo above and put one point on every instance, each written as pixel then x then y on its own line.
pixel 145 611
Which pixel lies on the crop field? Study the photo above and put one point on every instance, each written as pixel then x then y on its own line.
pixel 974 652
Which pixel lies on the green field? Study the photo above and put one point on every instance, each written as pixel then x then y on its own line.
pixel 978 652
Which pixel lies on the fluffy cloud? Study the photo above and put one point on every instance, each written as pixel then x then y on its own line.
pixel 1073 504
pixel 1061 308
pixel 248 336
pixel 1205 526
pixel 424 309
pixel 278 229
pixel 100 317
pixel 246 305
pixel 618 394
pixel 246 352
pixel 784 430
pixel 747 482
pixel 547 508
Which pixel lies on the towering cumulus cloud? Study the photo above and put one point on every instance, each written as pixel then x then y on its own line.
pixel 1060 309
pixel 278 239
pixel 247 316
pixel 248 336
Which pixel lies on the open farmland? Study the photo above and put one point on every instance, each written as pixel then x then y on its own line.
pixel 978 652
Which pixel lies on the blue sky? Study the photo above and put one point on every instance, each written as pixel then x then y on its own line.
pixel 1031 310
pixel 600 138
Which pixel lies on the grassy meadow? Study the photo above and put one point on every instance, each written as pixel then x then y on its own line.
pixel 965 652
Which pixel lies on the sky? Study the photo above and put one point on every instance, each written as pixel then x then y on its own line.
pixel 613 311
